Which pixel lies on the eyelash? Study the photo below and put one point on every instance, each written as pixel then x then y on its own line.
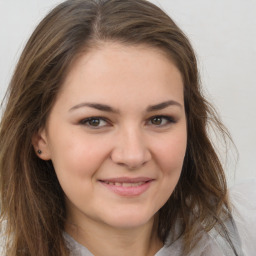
pixel 169 120
pixel 89 119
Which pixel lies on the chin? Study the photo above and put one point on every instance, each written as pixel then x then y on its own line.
pixel 127 220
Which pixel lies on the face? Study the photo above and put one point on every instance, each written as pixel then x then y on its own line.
pixel 117 135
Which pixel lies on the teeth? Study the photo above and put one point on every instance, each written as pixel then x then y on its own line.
pixel 125 184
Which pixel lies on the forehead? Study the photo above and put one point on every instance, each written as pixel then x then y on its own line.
pixel 116 68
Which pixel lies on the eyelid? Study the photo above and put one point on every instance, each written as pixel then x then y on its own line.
pixel 170 120
pixel 85 121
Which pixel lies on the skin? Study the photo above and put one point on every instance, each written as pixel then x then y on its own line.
pixel 132 140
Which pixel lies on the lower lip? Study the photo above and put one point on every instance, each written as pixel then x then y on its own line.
pixel 128 191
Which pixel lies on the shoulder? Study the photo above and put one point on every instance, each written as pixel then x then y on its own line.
pixel 242 228
pixel 2 238
pixel 243 203
pixel 2 246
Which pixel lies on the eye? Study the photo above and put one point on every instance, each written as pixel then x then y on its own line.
pixel 94 122
pixel 161 120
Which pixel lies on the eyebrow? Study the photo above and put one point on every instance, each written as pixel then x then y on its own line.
pixel 107 108
pixel 163 105
pixel 98 106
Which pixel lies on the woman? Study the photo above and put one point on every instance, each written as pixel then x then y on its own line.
pixel 104 147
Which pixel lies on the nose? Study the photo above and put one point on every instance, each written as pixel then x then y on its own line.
pixel 131 150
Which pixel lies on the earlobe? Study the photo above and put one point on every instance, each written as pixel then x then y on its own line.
pixel 41 145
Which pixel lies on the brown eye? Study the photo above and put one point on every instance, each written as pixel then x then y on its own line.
pixel 157 120
pixel 161 120
pixel 94 122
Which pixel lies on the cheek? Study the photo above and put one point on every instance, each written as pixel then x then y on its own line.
pixel 171 152
pixel 78 157
pixel 169 155
pixel 76 163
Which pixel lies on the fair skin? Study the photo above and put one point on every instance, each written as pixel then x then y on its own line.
pixel 117 138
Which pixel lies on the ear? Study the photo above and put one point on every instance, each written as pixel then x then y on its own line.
pixel 41 144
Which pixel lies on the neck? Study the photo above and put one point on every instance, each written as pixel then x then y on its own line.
pixel 102 240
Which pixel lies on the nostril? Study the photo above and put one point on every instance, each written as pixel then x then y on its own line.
pixel 131 165
pixel 131 151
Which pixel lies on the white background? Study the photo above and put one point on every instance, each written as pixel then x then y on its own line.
pixel 223 33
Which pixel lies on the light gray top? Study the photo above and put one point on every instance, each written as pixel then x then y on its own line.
pixel 204 247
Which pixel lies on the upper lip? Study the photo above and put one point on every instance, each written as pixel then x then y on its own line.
pixel 127 179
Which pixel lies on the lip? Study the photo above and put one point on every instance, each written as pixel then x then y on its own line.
pixel 128 187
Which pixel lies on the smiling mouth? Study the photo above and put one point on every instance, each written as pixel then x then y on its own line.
pixel 125 184
pixel 128 187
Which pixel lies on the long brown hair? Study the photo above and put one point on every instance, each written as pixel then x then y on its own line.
pixel 32 201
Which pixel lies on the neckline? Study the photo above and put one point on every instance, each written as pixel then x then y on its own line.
pixel 77 247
